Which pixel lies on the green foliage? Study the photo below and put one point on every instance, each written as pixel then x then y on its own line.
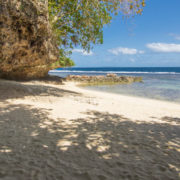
pixel 63 62
pixel 66 62
pixel 80 22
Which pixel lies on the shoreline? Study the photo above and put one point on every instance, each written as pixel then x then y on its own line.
pixel 129 95
pixel 52 131
pixel 134 100
pixel 92 91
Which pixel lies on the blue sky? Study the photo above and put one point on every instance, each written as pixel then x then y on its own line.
pixel 149 40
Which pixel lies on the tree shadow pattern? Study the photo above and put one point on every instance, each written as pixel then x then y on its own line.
pixel 14 90
pixel 99 147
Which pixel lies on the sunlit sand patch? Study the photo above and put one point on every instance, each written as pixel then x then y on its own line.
pixel 34 134
pixel 71 135
pixel 173 145
pixel 64 144
pixel 174 167
pixel 107 156
pixel 48 122
pixel 45 146
pixel 5 149
pixel 110 155
pixel 103 148
pixel 98 142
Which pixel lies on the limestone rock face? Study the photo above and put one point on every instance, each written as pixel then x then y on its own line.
pixel 27 46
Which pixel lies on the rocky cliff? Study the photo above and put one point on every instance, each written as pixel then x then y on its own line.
pixel 26 42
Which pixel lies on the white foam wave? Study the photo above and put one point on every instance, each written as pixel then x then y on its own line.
pixel 115 72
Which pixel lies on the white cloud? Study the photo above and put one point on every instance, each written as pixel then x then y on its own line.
pixel 164 47
pixel 84 53
pixel 176 36
pixel 122 50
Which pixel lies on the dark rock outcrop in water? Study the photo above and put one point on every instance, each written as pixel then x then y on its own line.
pixel 26 41
pixel 100 80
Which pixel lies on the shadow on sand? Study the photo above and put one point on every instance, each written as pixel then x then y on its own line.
pixel 99 147
pixel 13 89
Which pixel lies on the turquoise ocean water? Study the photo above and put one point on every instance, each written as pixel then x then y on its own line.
pixel 162 83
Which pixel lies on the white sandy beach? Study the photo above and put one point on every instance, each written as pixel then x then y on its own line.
pixel 50 132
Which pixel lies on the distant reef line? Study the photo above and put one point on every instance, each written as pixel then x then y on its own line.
pixel 108 79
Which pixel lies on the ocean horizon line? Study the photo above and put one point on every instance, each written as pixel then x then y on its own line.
pixel 119 70
pixel 121 67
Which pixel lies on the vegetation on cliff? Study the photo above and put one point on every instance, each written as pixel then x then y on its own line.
pixel 80 22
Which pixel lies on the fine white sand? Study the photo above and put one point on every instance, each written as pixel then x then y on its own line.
pixel 54 132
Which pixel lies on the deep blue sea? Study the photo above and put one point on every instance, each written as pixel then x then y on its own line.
pixel 161 83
